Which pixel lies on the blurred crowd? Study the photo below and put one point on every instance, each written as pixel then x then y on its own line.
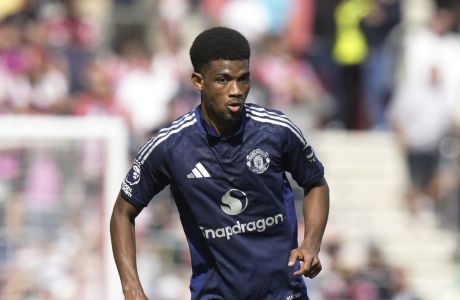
pixel 376 279
pixel 389 65
pixel 50 223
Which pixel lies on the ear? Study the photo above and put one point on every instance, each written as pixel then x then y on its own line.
pixel 197 80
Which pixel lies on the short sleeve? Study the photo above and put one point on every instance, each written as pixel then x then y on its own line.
pixel 148 174
pixel 300 160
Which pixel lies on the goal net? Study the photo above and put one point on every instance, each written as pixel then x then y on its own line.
pixel 59 177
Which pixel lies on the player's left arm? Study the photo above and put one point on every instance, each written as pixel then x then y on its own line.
pixel 316 211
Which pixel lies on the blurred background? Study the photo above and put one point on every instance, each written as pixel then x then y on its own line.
pixel 374 85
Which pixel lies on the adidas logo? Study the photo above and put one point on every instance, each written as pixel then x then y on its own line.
pixel 198 172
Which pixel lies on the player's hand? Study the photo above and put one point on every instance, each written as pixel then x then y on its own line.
pixel 310 265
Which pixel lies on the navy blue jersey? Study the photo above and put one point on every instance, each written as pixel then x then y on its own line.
pixel 234 200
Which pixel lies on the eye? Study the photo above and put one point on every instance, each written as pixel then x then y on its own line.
pixel 221 80
pixel 244 79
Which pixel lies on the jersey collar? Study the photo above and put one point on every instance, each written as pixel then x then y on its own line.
pixel 210 131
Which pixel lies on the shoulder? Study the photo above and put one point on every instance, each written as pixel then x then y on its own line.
pixel 271 120
pixel 167 136
pixel 267 116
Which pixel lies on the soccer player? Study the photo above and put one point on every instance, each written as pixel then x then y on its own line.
pixel 225 163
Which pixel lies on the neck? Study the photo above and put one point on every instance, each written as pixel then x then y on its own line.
pixel 222 127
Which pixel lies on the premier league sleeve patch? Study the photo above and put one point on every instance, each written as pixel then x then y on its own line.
pixel 134 175
pixel 258 161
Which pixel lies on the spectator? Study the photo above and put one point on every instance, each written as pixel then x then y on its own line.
pixel 38 86
pixel 145 92
pixel 378 272
pixel 302 97
pixel 72 35
pixel 349 52
pixel 334 281
pixel 96 100
pixel 98 97
pixel 422 106
pixel 383 17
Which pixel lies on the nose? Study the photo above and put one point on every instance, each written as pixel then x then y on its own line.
pixel 235 89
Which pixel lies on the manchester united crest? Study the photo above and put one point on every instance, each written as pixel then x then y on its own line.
pixel 258 161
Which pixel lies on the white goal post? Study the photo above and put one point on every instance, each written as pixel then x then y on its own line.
pixel 46 134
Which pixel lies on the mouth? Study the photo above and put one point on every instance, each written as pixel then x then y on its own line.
pixel 235 106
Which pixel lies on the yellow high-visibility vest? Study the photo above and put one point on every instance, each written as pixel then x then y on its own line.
pixel 350 46
pixel 8 7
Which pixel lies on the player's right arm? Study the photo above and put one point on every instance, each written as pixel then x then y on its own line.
pixel 148 175
pixel 122 225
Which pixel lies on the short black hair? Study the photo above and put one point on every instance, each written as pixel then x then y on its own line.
pixel 218 43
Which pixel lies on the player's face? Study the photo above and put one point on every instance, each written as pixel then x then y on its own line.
pixel 224 85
